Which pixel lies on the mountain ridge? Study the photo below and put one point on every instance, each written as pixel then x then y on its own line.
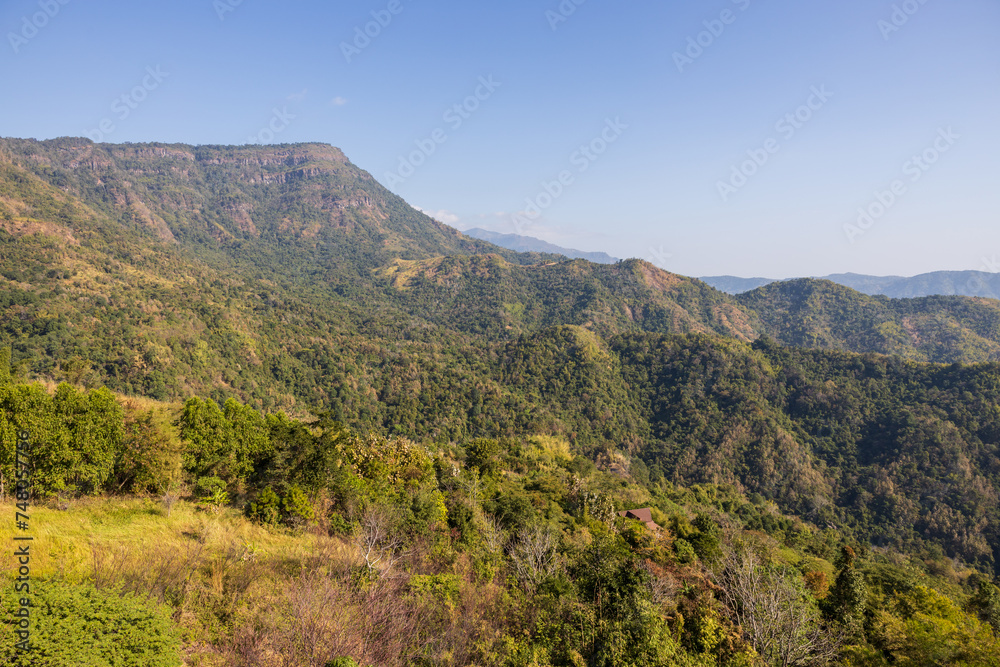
pixel 935 283
pixel 164 269
pixel 300 286
pixel 530 244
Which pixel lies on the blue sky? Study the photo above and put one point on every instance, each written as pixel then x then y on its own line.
pixel 725 136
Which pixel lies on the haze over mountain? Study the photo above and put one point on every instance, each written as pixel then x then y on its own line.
pixel 735 284
pixel 937 283
pixel 531 244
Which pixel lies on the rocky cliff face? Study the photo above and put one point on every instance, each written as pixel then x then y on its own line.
pixel 309 193
pixel 303 216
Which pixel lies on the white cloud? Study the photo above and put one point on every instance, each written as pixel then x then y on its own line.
pixel 447 217
pixel 298 97
pixel 338 101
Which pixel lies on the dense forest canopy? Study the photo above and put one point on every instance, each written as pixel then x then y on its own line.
pixel 273 337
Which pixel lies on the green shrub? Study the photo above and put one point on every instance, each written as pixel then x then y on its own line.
pixel 266 508
pixel 436 589
pixel 207 487
pixel 75 625
pixel 338 525
pixel 342 662
pixel 298 509
pixel 685 552
pixel 294 509
pixel 706 541
pixel 212 491
pixel 484 454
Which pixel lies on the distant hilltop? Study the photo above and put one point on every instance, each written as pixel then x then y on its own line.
pixel 530 244
pixel 937 283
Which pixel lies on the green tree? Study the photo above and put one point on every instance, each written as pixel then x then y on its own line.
pixel 985 603
pixel 847 601
pixel 484 454
pixel 251 441
pixel 95 421
pixel 210 440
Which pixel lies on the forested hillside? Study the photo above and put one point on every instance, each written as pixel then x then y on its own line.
pixel 229 537
pixel 937 283
pixel 811 313
pixel 271 274
pixel 433 435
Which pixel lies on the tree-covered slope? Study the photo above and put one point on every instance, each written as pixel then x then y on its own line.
pixel 494 298
pixel 287 277
pixel 271 274
pixel 306 195
pixel 819 313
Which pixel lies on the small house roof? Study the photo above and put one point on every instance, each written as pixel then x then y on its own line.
pixel 645 515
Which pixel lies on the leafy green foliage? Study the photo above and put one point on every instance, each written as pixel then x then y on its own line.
pixel 480 414
pixel 79 626
pixel 75 436
pixel 341 662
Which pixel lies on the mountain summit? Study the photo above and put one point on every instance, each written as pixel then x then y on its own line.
pixel 288 276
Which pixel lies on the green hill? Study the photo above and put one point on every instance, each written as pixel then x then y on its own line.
pixel 499 406
pixel 819 313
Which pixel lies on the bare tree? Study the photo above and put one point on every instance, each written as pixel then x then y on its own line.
pixel 774 613
pixel 492 533
pixel 472 483
pixel 663 587
pixel 171 494
pixel 378 541
pixel 534 556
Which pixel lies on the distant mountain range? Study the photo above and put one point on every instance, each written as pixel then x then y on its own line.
pixel 288 277
pixel 530 244
pixel 938 283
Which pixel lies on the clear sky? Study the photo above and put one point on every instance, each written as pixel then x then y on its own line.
pixel 722 137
